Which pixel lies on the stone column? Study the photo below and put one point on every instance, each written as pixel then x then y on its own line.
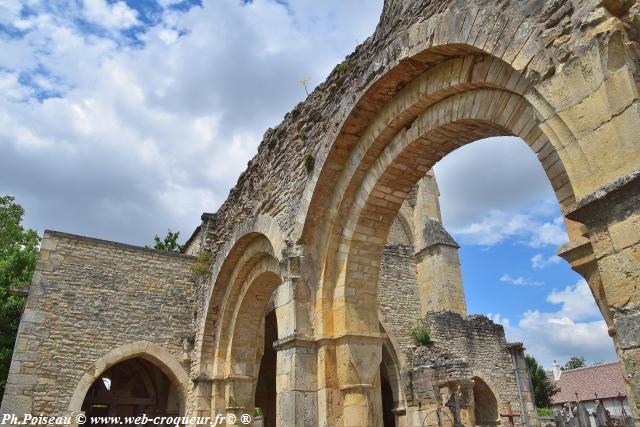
pixel 358 359
pixel 296 383
pixel 437 263
pixel 240 393
pixel 202 396
pixel 610 261
pixel 218 398
pixel 438 270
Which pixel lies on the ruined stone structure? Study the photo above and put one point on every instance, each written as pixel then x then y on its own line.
pixel 322 223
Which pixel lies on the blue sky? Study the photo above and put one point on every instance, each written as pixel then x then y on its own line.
pixel 120 120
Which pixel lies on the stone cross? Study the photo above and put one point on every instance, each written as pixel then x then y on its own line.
pixel 455 404
pixel 510 414
pixel 601 416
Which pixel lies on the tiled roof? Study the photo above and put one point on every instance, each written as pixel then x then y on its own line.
pixel 605 380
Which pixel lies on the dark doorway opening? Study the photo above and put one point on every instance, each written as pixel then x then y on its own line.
pixel 266 386
pixel 486 405
pixel 388 406
pixel 132 388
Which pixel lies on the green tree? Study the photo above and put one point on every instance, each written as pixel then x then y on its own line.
pixel 574 363
pixel 169 244
pixel 543 389
pixel 18 256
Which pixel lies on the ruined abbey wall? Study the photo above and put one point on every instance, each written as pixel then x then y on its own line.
pixel 309 219
pixel 91 298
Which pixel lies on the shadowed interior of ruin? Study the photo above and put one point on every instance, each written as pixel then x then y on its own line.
pixel 266 385
pixel 486 405
pixel 132 388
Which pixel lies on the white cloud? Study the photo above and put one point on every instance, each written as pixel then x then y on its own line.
pixel 501 174
pixel 539 261
pixel 576 328
pixel 528 228
pixel 120 140
pixel 520 281
pixel 115 16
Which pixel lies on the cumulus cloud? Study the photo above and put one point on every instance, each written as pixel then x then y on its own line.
pixel 520 281
pixel 528 228
pixel 576 328
pixel 120 121
pixel 539 261
pixel 495 174
pixel 114 16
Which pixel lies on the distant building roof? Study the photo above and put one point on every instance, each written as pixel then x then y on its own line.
pixel 605 380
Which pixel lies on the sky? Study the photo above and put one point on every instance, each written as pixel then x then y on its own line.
pixel 122 119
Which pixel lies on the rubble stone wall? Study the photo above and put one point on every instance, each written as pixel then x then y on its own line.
pixel 89 297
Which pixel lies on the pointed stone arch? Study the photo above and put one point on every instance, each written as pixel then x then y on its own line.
pixel 148 351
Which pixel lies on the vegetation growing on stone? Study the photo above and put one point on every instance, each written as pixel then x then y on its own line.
pixel 421 334
pixel 342 67
pixel 18 256
pixel 309 162
pixel 202 266
pixel 191 338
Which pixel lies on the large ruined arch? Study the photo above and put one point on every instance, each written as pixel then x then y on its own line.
pixel 461 80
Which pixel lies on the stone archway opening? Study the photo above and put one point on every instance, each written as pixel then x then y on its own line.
pixel 265 399
pixel 375 167
pixel 485 404
pixel 388 404
pixel 132 388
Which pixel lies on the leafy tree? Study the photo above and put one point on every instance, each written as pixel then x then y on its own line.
pixel 543 389
pixel 18 256
pixel 574 363
pixel 169 244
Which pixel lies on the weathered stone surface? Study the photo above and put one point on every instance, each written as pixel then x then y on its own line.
pixel 333 241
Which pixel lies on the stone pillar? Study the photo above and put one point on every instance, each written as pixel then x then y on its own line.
pixel 202 396
pixel 438 270
pixel 240 393
pixel 296 382
pixel 437 263
pixel 358 359
pixel 610 262
pixel 328 390
pixel 218 398
pixel 427 200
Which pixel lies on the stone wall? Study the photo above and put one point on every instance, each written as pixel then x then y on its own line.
pixel 87 298
pixel 464 349
pixel 398 299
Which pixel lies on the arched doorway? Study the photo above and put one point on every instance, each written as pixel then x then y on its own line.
pixel 132 388
pixel 485 404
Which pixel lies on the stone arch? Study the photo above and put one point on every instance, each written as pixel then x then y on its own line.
pixel 479 96
pixel 148 351
pixel 250 242
pixel 454 84
pixel 486 403
pixel 454 33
